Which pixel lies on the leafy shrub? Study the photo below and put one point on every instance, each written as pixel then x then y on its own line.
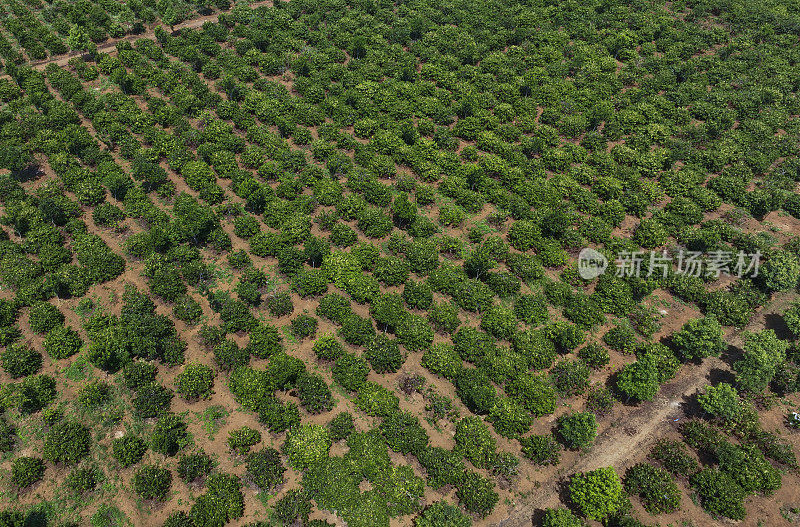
pixel 25 471
pixel 280 304
pixel 265 469
pixel 719 493
pixel 152 482
pixel 306 445
pixel 341 426
pixel 600 400
pixel 476 494
pixel 293 506
pixel 195 381
pixel 169 435
pixel 509 418
pixel 192 467
pixel 674 457
pixel 594 355
pixel 570 377
pixel 128 450
pixel 62 342
pixel 384 354
pixel 541 449
pixel 699 338
pixel 222 502
pixel 597 494
pixel 417 295
pixel 560 518
pixel 314 394
pixel 443 467
pixel 228 355
pixel 66 442
pixel 442 514
pixel 655 487
pixel 350 372
pixel 475 442
pixel 82 480
pixel 577 430
pixel 327 347
pixel 241 439
pixel 265 340
pixel 151 400
pixel 304 326
pixel 334 307
pixel 403 433
pixel 43 317
pixel 721 401
pixel 376 400
pixel 19 360
pixel 534 392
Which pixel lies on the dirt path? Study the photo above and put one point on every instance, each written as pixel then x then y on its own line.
pixel 641 426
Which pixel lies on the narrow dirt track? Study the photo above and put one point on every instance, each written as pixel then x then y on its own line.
pixel 612 447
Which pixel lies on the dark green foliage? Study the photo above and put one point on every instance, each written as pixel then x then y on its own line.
pixel 570 377
pixel 594 355
pixel 128 450
pixel 535 392
pixel 541 449
pixel 384 354
pixel 748 467
pixel 654 486
pixel 192 467
pixel 265 340
pixel 151 400
pixel 221 503
pixel 475 390
pixel 350 372
pixel 560 518
pixel 228 355
pixel 600 400
pixel 341 426
pixel 66 442
pixel 417 295
pixel 241 439
pixel 334 307
pixel 7 435
pixel 195 381
pixel 476 494
pixel 152 482
pixel 26 471
pixel 597 494
pixel 265 469
pixel 674 457
pixel 43 317
pixel 577 430
pixel 169 435
pixel 304 326
pixel 442 514
pixel 403 433
pixel 82 480
pixel 475 442
pixel 293 506
pixel 314 394
pixel 719 493
pixel 62 342
pixel 280 304
pixel 443 467
pixel 699 338
pixel 19 360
